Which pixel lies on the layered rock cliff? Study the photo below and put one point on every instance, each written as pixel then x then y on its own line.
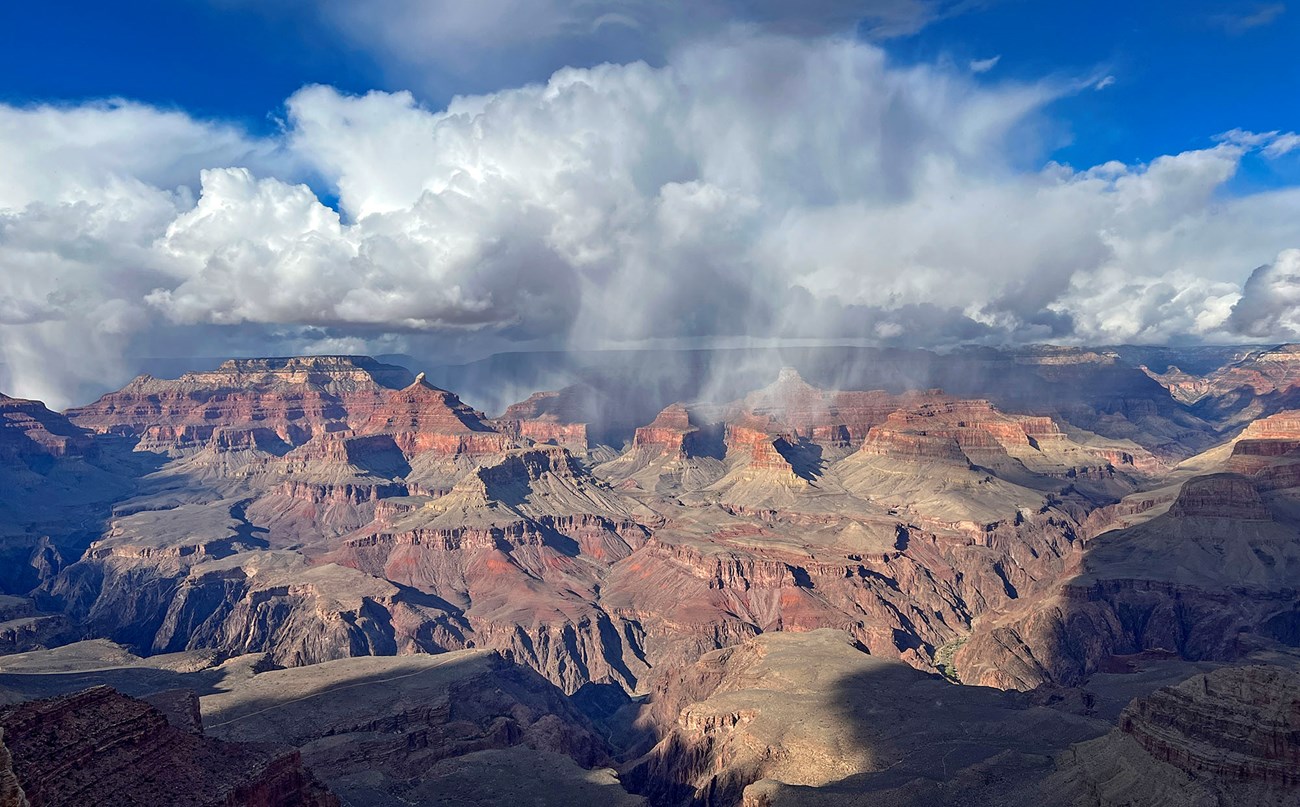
pixel 98 747
pixel 1240 724
pixel 1260 383
pixel 11 792
pixel 1231 736
pixel 553 418
pixel 275 401
pixel 1218 566
pixel 833 420
pixel 28 430
pixel 417 528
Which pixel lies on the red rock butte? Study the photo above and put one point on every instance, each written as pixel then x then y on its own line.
pixel 262 402
pixel 671 433
pixel 28 428
pixel 552 417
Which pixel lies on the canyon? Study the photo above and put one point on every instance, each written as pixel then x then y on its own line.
pixel 976 578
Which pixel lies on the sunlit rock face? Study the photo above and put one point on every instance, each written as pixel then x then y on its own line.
pixel 288 401
pixel 837 507
pixel 401 520
pixel 806 718
pixel 554 417
pixel 1260 383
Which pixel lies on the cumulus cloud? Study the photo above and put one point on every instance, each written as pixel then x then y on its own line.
pixel 1270 301
pixel 756 187
pixel 549 209
pixel 70 153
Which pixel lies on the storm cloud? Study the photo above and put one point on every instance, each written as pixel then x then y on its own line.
pixel 758 185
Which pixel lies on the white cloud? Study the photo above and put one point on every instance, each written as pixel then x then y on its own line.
pixel 1270 301
pixel 1104 82
pixel 985 65
pixel 1272 145
pixel 1282 144
pixel 70 153
pixel 757 187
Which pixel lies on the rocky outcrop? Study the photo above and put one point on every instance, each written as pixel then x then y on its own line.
pixel 1266 371
pixel 1235 725
pixel 248 602
pixel 278 404
pixel 1281 426
pixel 671 433
pixel 762 443
pixel 1213 571
pixel 552 418
pixel 1220 496
pixel 1268 451
pixel 572 404
pixel 1184 387
pixel 991 438
pixel 795 404
pixel 292 399
pixel 838 419
pixel 424 419
pixel 98 747
pixel 678 451
pixel 902 593
pixel 913 446
pixel 28 430
pixel 518 546
pixel 572 436
pixel 1231 736
pixel 23 629
pixel 1258 384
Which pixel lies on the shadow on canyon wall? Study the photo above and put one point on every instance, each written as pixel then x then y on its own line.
pixel 66 504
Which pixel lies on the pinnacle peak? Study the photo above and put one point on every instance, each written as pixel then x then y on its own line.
pixel 421 381
pixel 789 375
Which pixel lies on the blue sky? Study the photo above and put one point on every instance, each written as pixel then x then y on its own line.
pixel 208 58
pixel 1184 71
pixel 236 177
